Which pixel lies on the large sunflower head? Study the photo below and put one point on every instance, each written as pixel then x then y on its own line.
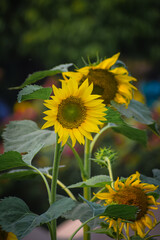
pixel 132 192
pixel 74 111
pixel 111 83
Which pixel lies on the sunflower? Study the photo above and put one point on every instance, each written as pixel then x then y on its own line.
pixel 111 83
pixel 74 112
pixel 132 192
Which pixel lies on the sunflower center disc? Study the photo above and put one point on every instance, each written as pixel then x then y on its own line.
pixel 71 112
pixel 133 196
pixel 104 82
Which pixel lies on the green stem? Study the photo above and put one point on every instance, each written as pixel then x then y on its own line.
pixel 109 169
pixel 54 182
pixel 79 160
pixel 86 190
pixel 152 237
pixel 117 231
pixel 44 179
pixel 97 136
pixel 151 229
pixel 81 227
pixel 63 187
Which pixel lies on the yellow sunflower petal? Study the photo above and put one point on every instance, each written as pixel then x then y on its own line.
pixel 107 63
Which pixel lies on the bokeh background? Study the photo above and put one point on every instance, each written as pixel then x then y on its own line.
pixel 38 35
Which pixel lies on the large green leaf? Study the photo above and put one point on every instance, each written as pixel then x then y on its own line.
pixel 11 159
pixel 18 174
pixel 120 126
pixel 36 76
pixel 137 110
pixel 132 133
pixel 116 211
pixel 24 173
pixel 16 216
pixel 33 92
pixel 125 212
pixel 83 212
pixel 26 137
pixel 96 181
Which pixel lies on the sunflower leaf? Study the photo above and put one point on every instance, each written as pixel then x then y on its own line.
pixel 23 173
pixel 36 76
pixel 132 133
pixel 16 216
pixel 116 211
pixel 120 126
pixel 83 212
pixel 33 92
pixel 96 181
pixel 11 159
pixel 107 231
pixel 137 110
pixel 18 173
pixel 25 137
pixel 154 128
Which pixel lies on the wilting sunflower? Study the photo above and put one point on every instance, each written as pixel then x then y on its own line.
pixel 112 83
pixel 135 193
pixel 74 112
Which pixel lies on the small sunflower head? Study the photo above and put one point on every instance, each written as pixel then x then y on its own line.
pixel 110 81
pixel 103 155
pixel 132 192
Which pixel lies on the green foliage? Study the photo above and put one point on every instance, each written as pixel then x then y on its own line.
pixel 18 174
pixel 36 76
pixel 34 92
pixel 83 212
pixel 136 238
pixel 107 231
pixel 120 126
pixel 96 181
pixel 17 218
pixel 132 133
pixel 115 211
pixel 137 110
pixel 11 159
pixel 22 173
pixel 26 137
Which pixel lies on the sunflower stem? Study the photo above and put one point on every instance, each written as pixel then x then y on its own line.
pixel 64 187
pixel 82 225
pixel 110 170
pixel 86 190
pixel 117 231
pixel 54 184
pixel 44 179
pixel 79 160
pixel 152 236
pixel 97 136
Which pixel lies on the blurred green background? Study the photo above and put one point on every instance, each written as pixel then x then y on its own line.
pixel 37 35
pixel 40 34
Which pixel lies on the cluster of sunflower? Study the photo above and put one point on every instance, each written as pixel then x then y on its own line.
pixel 78 109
